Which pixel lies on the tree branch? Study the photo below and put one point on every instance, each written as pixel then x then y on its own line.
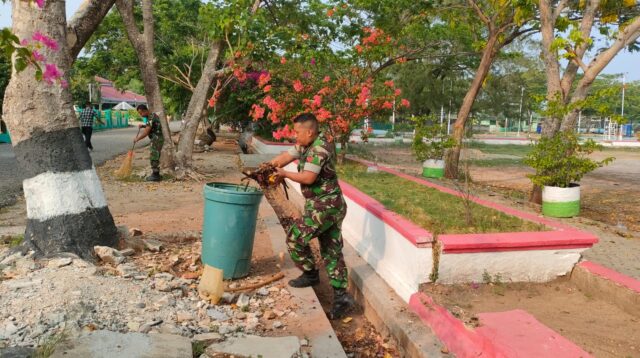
pixel 125 8
pixel 586 24
pixel 478 11
pixel 558 10
pixel 625 37
pixel 84 23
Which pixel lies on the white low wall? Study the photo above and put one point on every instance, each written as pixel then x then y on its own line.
pixel 263 147
pixel 400 263
pixel 510 266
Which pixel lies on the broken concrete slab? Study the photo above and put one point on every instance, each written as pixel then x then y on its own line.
pixel 107 344
pixel 17 352
pixel 255 346
pixel 60 262
pixel 207 338
pixel 152 245
pixel 109 254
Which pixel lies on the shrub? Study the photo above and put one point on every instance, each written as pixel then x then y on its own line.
pixel 562 160
pixel 431 139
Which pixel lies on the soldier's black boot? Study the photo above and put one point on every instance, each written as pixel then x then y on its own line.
pixel 342 303
pixel 155 176
pixel 308 278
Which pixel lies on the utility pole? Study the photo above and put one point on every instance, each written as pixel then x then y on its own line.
pixel 622 109
pixel 520 116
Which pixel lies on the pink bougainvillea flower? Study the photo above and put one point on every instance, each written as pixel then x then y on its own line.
pixel 323 114
pixel 45 40
pixel 297 86
pixel 64 83
pixel 274 117
pixel 24 42
pixel 267 88
pixel 363 96
pixel 51 73
pixel 272 104
pixel 37 56
pixel 40 3
pixel 283 60
pixel 387 105
pixel 405 103
pixel 389 83
pixel 239 73
pixel 326 79
pixel 313 61
pixel 317 101
pixel 264 78
pixel 398 92
pixel 212 102
pixel 257 112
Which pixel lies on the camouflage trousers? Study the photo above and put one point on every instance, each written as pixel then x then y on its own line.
pixel 155 149
pixel 322 219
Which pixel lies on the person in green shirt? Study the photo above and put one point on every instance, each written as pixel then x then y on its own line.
pixel 152 129
pixel 324 211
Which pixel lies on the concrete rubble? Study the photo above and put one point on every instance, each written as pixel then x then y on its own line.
pixel 41 300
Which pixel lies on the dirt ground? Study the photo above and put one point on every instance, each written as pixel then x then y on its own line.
pixel 173 210
pixel 598 327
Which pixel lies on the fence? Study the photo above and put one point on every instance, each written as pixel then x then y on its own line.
pixel 111 119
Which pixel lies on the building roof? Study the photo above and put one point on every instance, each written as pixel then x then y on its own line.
pixel 110 94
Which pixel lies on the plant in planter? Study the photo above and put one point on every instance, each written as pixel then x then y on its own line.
pixel 560 162
pixel 429 145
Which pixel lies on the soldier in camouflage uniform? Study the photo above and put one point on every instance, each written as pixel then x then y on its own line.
pixel 153 130
pixel 324 211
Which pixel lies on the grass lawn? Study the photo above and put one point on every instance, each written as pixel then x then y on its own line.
pixel 498 162
pixel 510 149
pixel 429 208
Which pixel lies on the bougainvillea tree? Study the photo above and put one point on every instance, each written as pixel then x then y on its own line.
pixel 340 89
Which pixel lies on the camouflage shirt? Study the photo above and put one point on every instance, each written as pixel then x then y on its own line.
pixel 318 158
pixel 156 128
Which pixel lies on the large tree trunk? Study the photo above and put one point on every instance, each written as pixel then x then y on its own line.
pixel 66 208
pixel 196 109
pixel 488 55
pixel 84 23
pixel 143 45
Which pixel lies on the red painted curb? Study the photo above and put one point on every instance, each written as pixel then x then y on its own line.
pixel 521 335
pixel 518 241
pixel 266 142
pixel 562 237
pixel 459 340
pixel 611 275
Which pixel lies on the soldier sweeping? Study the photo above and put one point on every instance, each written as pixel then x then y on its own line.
pixel 153 129
pixel 324 211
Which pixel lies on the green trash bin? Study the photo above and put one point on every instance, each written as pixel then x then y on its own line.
pixel 229 227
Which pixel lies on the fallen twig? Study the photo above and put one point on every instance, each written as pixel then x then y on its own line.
pixel 273 278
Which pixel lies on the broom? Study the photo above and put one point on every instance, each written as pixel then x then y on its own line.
pixel 126 167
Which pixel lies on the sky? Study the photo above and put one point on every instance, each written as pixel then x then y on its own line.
pixel 625 62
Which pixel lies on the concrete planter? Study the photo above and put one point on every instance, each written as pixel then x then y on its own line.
pixel 433 168
pixel 561 202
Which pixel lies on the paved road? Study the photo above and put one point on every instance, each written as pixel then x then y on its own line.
pixel 107 145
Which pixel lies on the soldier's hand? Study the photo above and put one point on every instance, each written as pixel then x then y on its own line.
pixel 281 175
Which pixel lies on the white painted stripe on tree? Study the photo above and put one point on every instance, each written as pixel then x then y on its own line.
pixel 552 194
pixel 433 163
pixel 53 194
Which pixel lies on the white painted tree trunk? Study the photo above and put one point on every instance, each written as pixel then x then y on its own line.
pixel 66 208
